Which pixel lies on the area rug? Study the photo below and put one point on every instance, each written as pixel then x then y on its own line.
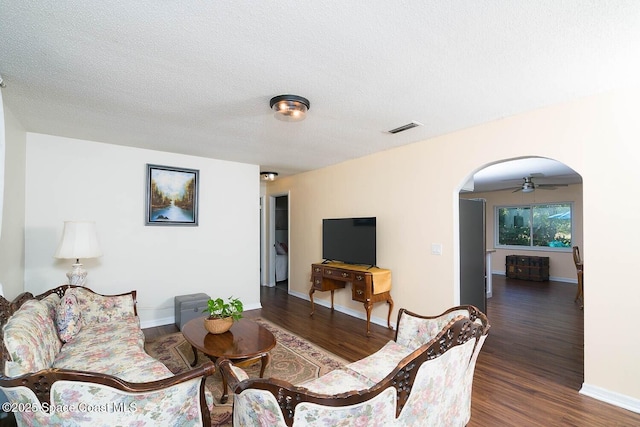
pixel 293 359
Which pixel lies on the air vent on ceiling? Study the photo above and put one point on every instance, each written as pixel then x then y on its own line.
pixel 405 127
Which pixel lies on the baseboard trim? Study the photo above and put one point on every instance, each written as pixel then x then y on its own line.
pixel 554 278
pixel 157 322
pixel 171 320
pixel 611 397
pixel 348 311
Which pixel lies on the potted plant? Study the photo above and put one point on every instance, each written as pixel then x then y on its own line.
pixel 222 314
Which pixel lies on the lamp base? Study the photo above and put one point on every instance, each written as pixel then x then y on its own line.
pixel 78 275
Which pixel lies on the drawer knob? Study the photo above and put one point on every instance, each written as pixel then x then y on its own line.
pixel 329 272
pixel 345 274
pixel 359 292
pixel 359 277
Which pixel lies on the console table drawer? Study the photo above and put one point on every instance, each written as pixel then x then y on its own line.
pixel 358 291
pixel 338 274
pixel 316 282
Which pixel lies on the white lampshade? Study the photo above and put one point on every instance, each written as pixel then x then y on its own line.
pixel 79 240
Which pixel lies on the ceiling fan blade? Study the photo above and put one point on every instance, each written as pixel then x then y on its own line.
pixel 550 186
pixel 516 190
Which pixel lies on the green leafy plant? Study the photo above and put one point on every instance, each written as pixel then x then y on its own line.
pixel 219 309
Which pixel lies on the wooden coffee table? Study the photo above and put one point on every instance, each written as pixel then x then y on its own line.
pixel 244 344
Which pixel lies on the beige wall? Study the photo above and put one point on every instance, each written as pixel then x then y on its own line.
pixel 12 236
pixel 69 179
pixel 561 266
pixel 414 190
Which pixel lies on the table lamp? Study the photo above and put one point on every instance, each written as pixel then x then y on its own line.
pixel 79 240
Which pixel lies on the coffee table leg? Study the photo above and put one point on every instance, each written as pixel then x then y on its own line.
pixel 225 392
pixel 195 356
pixel 264 361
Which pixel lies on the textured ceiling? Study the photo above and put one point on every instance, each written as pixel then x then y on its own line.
pixel 195 77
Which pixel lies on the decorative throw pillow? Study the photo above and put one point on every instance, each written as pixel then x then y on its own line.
pixel 68 317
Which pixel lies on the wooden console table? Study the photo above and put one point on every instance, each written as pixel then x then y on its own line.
pixel 368 285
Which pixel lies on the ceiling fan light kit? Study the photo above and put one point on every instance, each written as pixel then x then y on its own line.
pixel 528 186
pixel 290 108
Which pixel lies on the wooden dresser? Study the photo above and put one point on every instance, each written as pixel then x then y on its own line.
pixel 368 285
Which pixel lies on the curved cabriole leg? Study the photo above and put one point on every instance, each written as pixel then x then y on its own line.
pixel 367 306
pixel 195 356
pixel 311 291
pixel 390 302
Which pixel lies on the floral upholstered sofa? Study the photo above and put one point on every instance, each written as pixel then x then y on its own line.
pixel 422 378
pixel 73 357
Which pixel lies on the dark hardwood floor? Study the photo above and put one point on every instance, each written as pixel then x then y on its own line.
pixel 528 373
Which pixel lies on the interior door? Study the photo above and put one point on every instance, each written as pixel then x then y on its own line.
pixel 472 253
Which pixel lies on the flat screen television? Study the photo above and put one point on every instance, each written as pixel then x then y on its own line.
pixel 349 240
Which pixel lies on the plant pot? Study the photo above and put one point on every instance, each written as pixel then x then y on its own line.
pixel 218 325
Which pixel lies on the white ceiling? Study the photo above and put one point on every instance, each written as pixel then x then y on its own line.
pixel 195 77
pixel 511 174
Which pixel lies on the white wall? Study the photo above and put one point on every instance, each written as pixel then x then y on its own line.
pixel 70 179
pixel 12 236
pixel 414 190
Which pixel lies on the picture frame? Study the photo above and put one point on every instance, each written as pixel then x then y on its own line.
pixel 171 196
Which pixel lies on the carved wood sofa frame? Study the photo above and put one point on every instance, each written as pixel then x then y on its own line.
pixel 40 382
pixel 401 378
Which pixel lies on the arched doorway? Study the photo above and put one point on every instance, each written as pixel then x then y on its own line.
pixel 501 186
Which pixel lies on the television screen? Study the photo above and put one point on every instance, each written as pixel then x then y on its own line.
pixel 349 240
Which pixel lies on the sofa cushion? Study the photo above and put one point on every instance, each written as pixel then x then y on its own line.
pixel 413 331
pixel 145 368
pixel 51 301
pixel 68 316
pixel 112 348
pixel 102 347
pixel 338 381
pixel 31 339
pixel 97 308
pixel 380 364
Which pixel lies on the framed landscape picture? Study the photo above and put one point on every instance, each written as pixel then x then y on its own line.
pixel 172 196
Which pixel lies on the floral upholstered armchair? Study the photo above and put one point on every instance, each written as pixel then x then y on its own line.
pixel 422 378
pixel 72 357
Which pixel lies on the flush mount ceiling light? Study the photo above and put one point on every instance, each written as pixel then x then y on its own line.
pixel 268 176
pixel 289 108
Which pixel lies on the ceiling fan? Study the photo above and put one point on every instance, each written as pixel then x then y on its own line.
pixel 528 186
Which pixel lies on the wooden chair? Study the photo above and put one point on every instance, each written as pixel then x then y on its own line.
pixel 577 260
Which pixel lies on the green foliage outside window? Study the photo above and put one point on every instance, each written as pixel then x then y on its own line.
pixel 545 225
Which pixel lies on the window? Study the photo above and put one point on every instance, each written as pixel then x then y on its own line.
pixel 535 226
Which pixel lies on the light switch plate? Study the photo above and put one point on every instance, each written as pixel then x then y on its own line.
pixel 436 249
